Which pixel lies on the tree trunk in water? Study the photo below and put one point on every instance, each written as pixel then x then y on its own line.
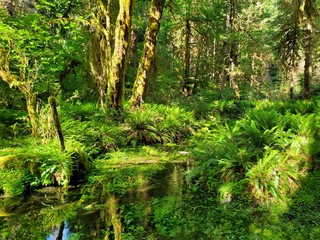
pixel 186 88
pixel 115 90
pixel 57 125
pixel 308 62
pixel 150 41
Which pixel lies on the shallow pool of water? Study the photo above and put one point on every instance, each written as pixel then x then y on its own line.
pixel 56 213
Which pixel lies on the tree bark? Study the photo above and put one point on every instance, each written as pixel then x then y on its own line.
pixel 233 51
pixel 56 122
pixel 187 88
pixel 60 232
pixel 139 91
pixel 115 92
pixel 308 62
pixel 100 51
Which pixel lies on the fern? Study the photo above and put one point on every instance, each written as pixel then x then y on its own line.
pixel 140 128
pixel 263 176
pixel 265 120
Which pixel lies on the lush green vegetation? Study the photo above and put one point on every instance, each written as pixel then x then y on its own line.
pixel 102 94
pixel 168 210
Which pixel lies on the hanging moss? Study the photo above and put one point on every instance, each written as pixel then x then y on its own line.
pixel 141 83
pixel 115 91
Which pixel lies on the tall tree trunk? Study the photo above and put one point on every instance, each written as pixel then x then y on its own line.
pixel 197 84
pixel 187 88
pixel 308 62
pixel 225 60
pixel 147 59
pixel 115 92
pixel 100 51
pixel 233 48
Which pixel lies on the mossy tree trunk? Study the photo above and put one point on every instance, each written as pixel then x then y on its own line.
pixel 115 92
pixel 309 14
pixel 139 91
pixel 60 231
pixel 100 50
pixel 296 30
pixel 20 82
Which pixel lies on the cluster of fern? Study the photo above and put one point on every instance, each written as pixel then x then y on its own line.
pixel 265 153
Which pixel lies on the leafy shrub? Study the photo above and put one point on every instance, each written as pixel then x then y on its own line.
pixel 265 119
pixel 57 170
pixel 112 138
pixel 274 176
pixel 10 116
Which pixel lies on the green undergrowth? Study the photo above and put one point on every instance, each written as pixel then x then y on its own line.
pixel 93 139
pixel 26 164
pixel 266 153
pixel 263 148
pixel 256 163
pixel 201 216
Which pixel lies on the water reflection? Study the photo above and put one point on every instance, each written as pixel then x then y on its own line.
pixel 62 232
pixel 56 214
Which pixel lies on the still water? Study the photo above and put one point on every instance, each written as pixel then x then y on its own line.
pixel 156 210
pixel 163 207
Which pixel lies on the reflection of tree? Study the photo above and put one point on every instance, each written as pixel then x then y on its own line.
pixel 101 216
pixel 113 218
pixel 37 217
pixel 176 181
pixel 22 226
pixel 54 216
pixel 58 232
